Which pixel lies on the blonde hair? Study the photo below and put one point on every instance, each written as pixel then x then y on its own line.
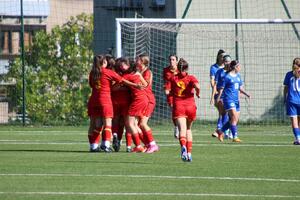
pixel 145 59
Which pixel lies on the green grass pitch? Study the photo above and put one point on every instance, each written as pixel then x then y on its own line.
pixel 54 163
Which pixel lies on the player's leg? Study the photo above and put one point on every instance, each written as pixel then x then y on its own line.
pixel 292 112
pixel 181 122
pixel 95 129
pixel 147 132
pixel 106 135
pixel 296 131
pixel 131 120
pixel 189 140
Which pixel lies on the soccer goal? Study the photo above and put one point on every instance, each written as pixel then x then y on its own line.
pixel 264 47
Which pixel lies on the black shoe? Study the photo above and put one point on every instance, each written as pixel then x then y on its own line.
pixel 106 149
pixel 95 150
pixel 116 144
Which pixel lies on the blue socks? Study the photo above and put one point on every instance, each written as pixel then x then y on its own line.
pixel 296 132
pixel 233 129
pixel 219 124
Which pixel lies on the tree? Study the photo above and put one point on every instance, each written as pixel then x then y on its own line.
pixel 57 66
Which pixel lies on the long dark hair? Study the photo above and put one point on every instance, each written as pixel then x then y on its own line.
pixel 96 69
pixel 232 65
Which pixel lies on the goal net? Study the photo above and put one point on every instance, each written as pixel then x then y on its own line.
pixel 265 49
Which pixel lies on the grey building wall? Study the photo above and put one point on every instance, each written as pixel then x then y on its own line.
pixel 105 12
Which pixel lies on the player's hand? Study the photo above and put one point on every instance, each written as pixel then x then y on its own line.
pixel 212 101
pixel 140 86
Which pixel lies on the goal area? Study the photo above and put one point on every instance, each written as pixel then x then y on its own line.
pixel 264 47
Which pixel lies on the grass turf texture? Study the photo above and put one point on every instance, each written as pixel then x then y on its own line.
pixel 54 163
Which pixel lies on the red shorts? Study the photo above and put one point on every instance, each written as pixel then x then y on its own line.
pixel 138 108
pixel 150 109
pixel 187 111
pixel 107 110
pixel 121 108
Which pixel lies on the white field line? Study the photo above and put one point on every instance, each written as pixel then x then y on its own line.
pixel 195 132
pixel 146 194
pixel 161 177
pixel 163 144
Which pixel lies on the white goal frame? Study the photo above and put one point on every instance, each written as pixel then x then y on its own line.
pixel 192 21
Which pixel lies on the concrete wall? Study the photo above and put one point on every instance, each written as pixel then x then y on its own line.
pixel 62 10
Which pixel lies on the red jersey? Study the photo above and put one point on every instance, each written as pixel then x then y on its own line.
pixel 121 99
pixel 140 101
pixel 106 78
pixel 135 92
pixel 94 108
pixel 95 85
pixel 147 75
pixel 183 93
pixel 167 75
pixel 183 88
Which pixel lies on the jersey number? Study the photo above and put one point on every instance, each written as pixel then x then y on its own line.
pixel 182 87
pixel 236 86
pixel 295 84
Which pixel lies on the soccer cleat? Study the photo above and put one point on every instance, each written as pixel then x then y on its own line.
pixel 152 148
pixel 237 140
pixel 226 134
pixel 128 149
pixel 220 136
pixel 116 144
pixel 138 149
pixel 189 157
pixel 106 149
pixel 176 132
pixel 183 154
pixel 296 142
pixel 214 134
pixel 95 150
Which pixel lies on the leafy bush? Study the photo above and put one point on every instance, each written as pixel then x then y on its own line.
pixel 57 66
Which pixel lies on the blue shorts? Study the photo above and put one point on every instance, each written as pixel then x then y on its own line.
pixel 292 109
pixel 228 105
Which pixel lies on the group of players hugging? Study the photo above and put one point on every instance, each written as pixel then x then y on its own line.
pixel 122 99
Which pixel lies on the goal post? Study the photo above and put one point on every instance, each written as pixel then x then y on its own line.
pixel 266 50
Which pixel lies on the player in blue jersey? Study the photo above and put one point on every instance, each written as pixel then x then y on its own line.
pixel 223 115
pixel 212 73
pixel 291 96
pixel 231 87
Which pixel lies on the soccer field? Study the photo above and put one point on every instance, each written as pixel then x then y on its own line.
pixel 54 163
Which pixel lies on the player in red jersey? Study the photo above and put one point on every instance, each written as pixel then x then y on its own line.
pixel 184 108
pixel 138 106
pixel 121 99
pixel 168 73
pixel 142 63
pixel 94 107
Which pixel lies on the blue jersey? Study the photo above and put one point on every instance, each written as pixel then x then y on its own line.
pixel 213 70
pixel 219 77
pixel 231 85
pixel 293 94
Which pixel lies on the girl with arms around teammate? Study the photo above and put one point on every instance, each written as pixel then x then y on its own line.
pixel 183 86
pixel 291 96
